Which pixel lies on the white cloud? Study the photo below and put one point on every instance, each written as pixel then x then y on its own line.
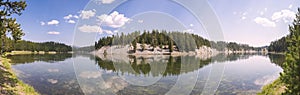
pixel 234 13
pixel 285 15
pixel 42 23
pixel 245 13
pixel 266 9
pixel 108 32
pixel 243 18
pixel 114 20
pixel 104 1
pixel 291 6
pixel 54 33
pixel 116 31
pixel 53 81
pixel 140 21
pixel 107 1
pixel 191 25
pixel 68 16
pixel 261 13
pixel 94 28
pixel 264 22
pixel 90 28
pixel 75 16
pixel 53 22
pixel 87 14
pixel 71 21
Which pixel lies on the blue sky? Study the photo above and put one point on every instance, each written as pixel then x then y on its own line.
pixel 251 22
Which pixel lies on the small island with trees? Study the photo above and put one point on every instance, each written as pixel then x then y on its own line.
pixel 157 42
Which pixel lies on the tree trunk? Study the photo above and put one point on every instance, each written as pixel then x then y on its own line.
pixel 3 45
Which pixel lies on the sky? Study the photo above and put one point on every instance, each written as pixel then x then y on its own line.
pixel 82 22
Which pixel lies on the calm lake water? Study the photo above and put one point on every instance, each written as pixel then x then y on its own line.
pixel 85 74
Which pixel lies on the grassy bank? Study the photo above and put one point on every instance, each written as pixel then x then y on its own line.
pixel 10 84
pixel 275 88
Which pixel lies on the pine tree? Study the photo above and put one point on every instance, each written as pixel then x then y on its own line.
pixel 291 73
pixel 143 45
pixel 8 24
pixel 134 45
pixel 171 45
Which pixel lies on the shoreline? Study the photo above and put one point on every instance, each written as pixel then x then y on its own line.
pixel 30 52
pixel 274 88
pixel 279 53
pixel 10 84
pixel 202 51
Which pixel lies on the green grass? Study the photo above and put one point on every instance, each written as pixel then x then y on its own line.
pixel 10 84
pixel 275 88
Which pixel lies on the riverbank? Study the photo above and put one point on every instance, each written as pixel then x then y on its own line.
pixel 10 84
pixel 281 53
pixel 275 88
pixel 30 52
pixel 149 50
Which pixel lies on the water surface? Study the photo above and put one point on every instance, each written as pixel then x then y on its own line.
pixel 86 74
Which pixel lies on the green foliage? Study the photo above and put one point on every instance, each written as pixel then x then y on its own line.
pixel 291 72
pixel 8 24
pixel 277 59
pixel 275 88
pixel 30 58
pixel 140 65
pixel 171 46
pixel 134 45
pixel 278 46
pixel 143 45
pixel 233 46
pixel 22 45
pixel 84 49
pixel 10 84
pixel 184 41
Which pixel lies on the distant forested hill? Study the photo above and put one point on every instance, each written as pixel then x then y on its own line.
pixel 279 45
pixel 35 46
pixel 155 38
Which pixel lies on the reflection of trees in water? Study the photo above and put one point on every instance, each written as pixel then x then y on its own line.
pixel 277 59
pixel 174 65
pixel 143 68
pixel 233 57
pixel 30 58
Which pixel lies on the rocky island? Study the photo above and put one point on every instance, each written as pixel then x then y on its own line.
pixel 168 43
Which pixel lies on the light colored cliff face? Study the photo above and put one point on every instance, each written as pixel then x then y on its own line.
pixel 149 50
pixel 263 51
pixel 114 50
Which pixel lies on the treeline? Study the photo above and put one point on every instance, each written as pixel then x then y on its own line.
pixel 30 58
pixel 279 45
pixel 11 45
pixel 233 46
pixel 182 41
pixel 155 38
pixel 86 49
